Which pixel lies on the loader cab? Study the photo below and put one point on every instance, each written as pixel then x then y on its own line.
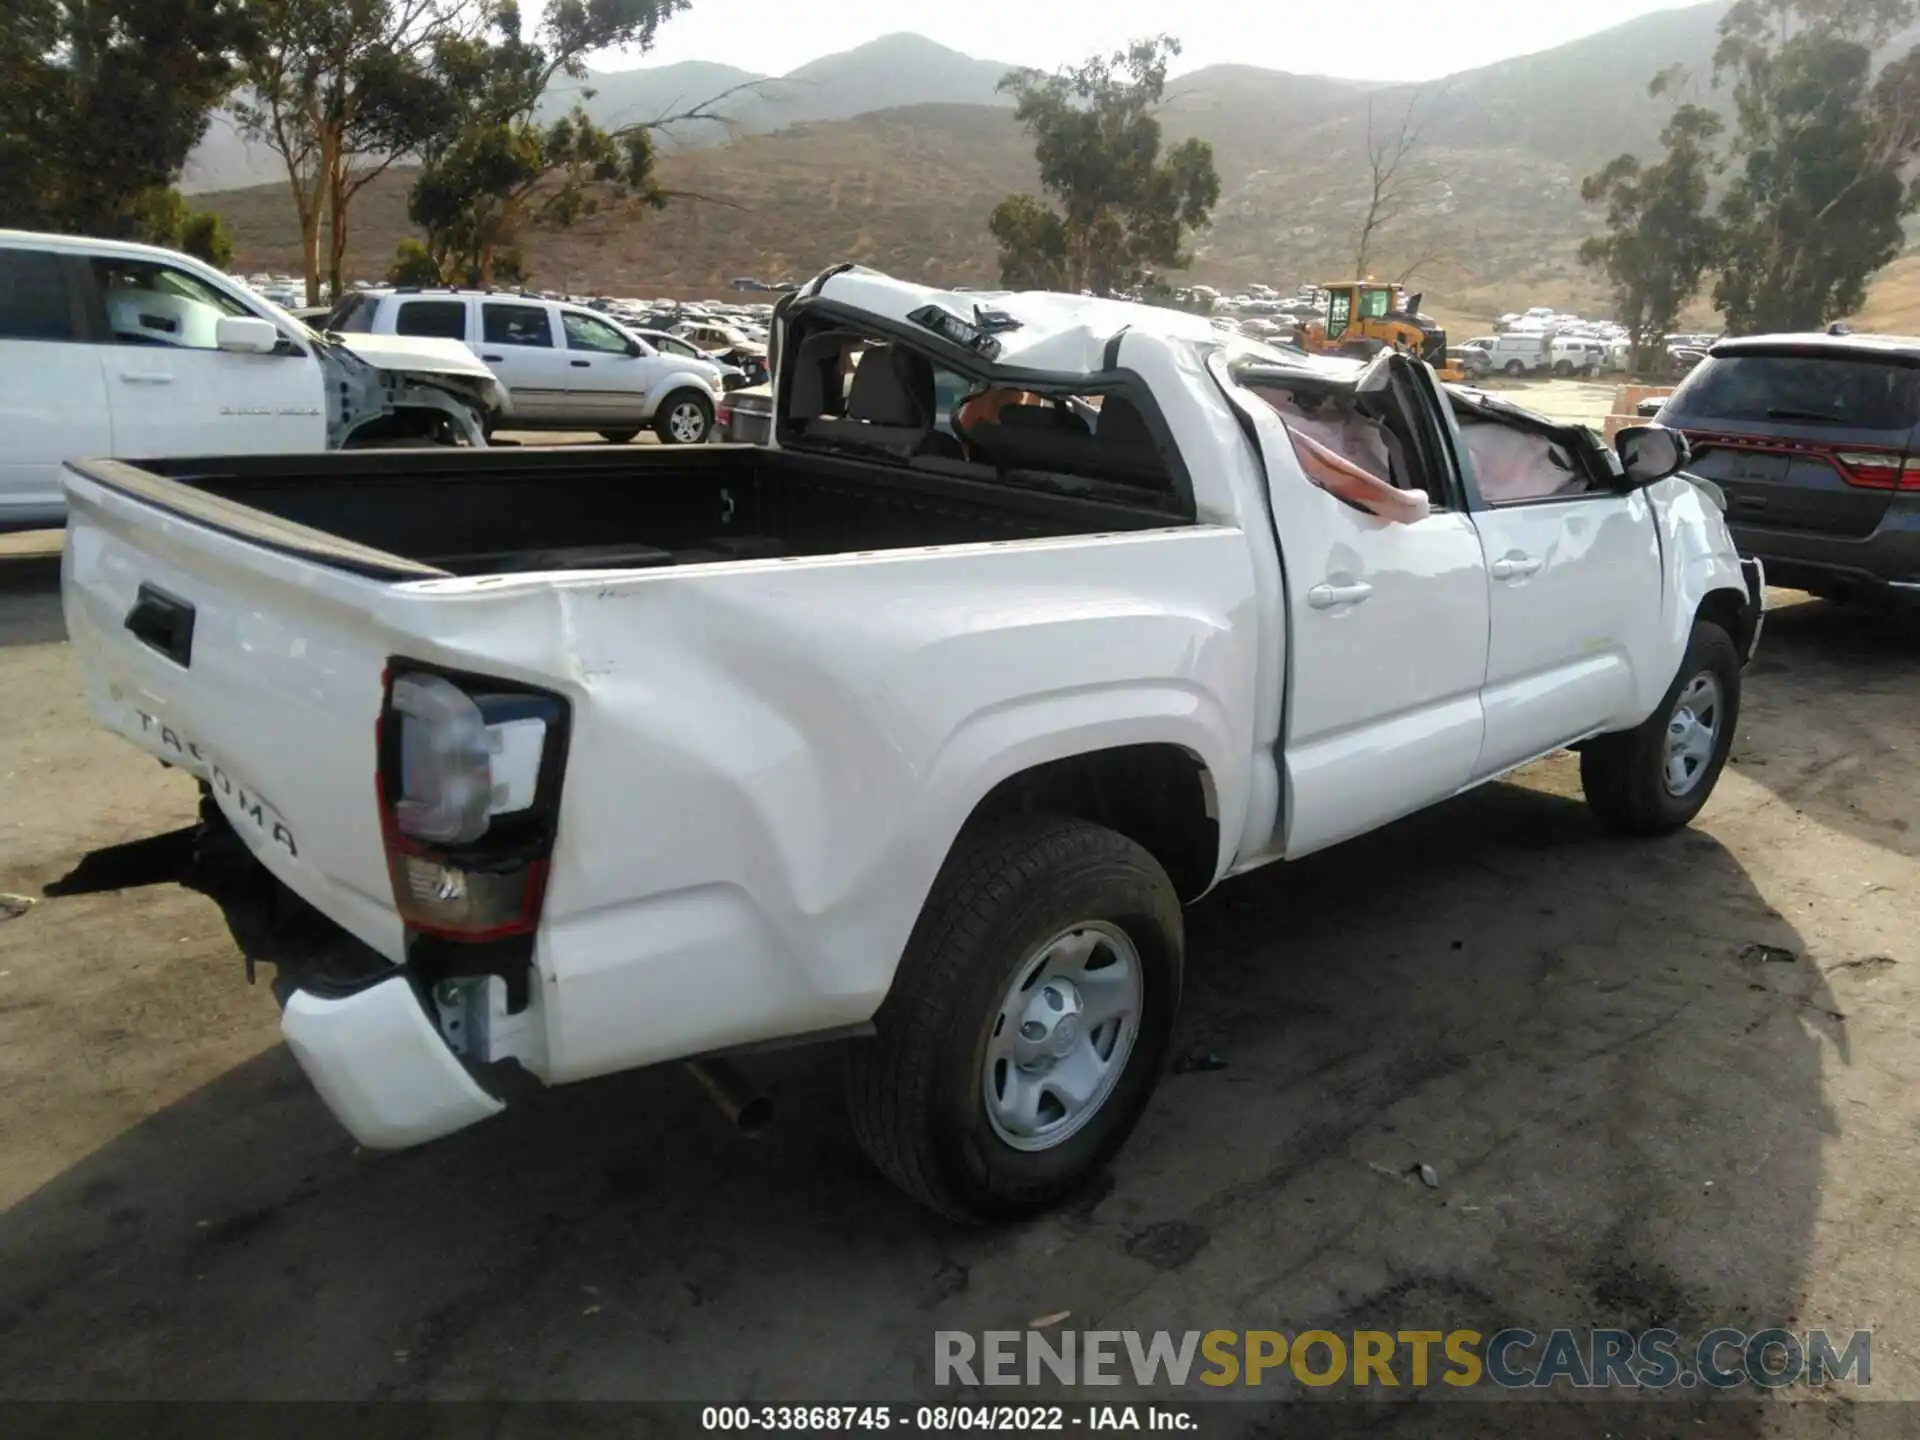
pixel 1339 311
pixel 1378 301
pixel 1355 304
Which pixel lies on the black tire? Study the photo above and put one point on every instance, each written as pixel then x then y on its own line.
pixel 1624 774
pixel 914 1090
pixel 1516 369
pixel 663 420
pixel 1563 368
pixel 618 437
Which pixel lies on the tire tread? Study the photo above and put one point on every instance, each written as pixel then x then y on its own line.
pixel 1619 772
pixel 890 1077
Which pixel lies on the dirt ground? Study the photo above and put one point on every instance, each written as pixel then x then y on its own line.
pixel 1672 1083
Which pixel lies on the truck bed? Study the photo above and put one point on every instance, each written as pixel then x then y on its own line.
pixel 410 514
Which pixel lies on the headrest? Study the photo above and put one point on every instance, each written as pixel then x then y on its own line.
pixel 892 387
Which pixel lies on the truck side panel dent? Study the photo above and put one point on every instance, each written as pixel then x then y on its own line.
pixel 788 751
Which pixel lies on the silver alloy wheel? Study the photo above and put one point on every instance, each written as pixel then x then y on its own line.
pixel 1062 1036
pixel 1692 731
pixel 687 423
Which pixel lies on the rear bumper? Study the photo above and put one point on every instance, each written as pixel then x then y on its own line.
pixel 381 1067
pixel 1887 560
pixel 747 427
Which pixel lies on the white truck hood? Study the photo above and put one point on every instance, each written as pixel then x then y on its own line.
pixel 422 355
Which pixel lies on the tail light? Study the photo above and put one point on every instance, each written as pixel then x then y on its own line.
pixel 469 787
pixel 1879 469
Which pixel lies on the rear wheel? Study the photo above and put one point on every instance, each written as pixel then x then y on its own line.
pixel 1028 1023
pixel 1563 368
pixel 1516 369
pixel 1655 778
pixel 685 418
pixel 618 437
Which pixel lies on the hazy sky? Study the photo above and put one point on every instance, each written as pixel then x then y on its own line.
pixel 1388 39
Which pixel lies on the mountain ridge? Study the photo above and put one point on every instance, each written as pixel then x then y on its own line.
pixel 1493 218
pixel 884 73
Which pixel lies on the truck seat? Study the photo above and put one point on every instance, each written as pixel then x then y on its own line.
pixel 890 404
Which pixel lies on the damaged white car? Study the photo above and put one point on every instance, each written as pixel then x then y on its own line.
pixel 126 351
pixel 913 729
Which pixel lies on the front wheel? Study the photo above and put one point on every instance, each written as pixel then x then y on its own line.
pixel 685 418
pixel 1516 369
pixel 618 437
pixel 1655 778
pixel 1563 368
pixel 1028 1023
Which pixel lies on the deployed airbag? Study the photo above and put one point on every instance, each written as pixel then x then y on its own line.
pixel 1512 465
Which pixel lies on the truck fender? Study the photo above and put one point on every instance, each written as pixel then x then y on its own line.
pixel 1703 574
pixel 462 411
pixel 997 746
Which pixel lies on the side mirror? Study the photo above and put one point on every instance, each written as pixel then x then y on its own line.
pixel 245 335
pixel 635 349
pixel 1650 453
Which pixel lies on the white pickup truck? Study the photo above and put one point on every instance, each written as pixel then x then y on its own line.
pixel 910 731
pixel 110 348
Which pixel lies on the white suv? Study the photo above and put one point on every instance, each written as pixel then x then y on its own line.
pixel 119 351
pixel 565 367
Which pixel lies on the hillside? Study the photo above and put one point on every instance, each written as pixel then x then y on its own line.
pixel 1494 224
pixel 892 71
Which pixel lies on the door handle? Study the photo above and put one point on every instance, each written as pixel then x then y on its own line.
pixel 492 359
pixel 1325 597
pixel 1515 567
pixel 145 377
pixel 580 364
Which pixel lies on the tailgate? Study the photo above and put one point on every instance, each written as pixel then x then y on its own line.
pixel 257 670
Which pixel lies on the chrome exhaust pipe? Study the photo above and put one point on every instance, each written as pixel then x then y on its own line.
pixel 746 1107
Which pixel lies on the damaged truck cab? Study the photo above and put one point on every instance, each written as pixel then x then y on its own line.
pixel 1039 617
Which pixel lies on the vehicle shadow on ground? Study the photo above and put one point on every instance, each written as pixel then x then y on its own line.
pixel 30 601
pixel 1827 720
pixel 1609 1053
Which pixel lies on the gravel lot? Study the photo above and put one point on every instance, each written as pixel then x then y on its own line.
pixel 1671 1083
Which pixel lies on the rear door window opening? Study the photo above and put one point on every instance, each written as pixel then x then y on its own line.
pixel 858 392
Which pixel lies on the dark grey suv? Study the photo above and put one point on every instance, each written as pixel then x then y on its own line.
pixel 1816 441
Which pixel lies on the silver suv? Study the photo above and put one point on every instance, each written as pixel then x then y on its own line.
pixel 565 366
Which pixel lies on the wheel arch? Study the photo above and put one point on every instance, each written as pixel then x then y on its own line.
pixel 676 380
pixel 1161 796
pixel 1733 612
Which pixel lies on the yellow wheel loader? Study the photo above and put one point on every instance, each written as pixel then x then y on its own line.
pixel 1364 317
